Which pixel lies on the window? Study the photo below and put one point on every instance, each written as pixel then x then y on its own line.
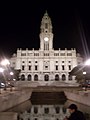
pixel 46 67
pixel 69 67
pixel 57 109
pixel 22 77
pixel 63 77
pixel 36 54
pixel 29 61
pixel 23 61
pixel 69 54
pixel 46 77
pixel 35 110
pixel 56 67
pixel 29 67
pixel 35 119
pixel 35 77
pixel 29 77
pixel 56 77
pixel 23 54
pixel 56 54
pixel 35 67
pixel 62 61
pixel 62 54
pixel 23 67
pixel 46 110
pixel 63 67
pixel 69 61
pixel 69 77
pixel 46 25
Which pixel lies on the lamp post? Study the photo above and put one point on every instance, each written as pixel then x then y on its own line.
pixel 85 85
pixel 87 63
pixel 5 63
pixel 11 80
pixel 1 71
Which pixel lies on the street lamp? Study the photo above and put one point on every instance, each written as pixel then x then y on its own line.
pixel 1 70
pixel 11 73
pixel 84 73
pixel 87 62
pixel 5 63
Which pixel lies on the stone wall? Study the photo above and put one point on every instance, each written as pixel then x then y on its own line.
pixel 82 97
pixel 10 99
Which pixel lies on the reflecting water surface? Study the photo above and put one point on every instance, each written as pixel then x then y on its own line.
pixel 47 109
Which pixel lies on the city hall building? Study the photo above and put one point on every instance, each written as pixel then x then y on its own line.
pixel 46 64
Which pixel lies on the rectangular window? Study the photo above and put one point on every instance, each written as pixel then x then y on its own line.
pixel 46 110
pixel 23 54
pixel 23 67
pixel 35 67
pixel 46 25
pixel 69 54
pixel 56 67
pixel 29 67
pixel 63 68
pixel 69 67
pixel 62 54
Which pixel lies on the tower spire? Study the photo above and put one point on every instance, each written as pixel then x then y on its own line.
pixel 46 13
pixel 46 35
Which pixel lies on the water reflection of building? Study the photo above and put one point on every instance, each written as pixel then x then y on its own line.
pixel 46 64
pixel 44 112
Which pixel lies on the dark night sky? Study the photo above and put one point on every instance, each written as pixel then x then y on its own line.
pixel 20 25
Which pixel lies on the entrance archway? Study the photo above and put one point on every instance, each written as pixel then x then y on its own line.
pixel 56 77
pixel 63 77
pixel 22 77
pixel 29 77
pixel 35 77
pixel 46 77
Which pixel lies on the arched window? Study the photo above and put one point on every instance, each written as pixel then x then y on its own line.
pixel 56 77
pixel 46 110
pixel 69 77
pixel 46 77
pixel 23 77
pixel 35 77
pixel 63 77
pixel 57 109
pixel 64 110
pixel 35 110
pixel 29 77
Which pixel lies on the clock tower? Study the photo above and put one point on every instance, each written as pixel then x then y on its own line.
pixel 46 35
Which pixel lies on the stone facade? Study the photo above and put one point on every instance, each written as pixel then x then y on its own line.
pixel 46 64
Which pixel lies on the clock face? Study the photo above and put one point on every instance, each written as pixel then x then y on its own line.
pixel 46 38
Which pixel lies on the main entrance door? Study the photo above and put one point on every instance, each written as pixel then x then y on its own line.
pixel 46 77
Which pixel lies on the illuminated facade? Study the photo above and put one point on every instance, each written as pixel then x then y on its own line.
pixel 46 64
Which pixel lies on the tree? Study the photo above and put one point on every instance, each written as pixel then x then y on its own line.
pixel 78 72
